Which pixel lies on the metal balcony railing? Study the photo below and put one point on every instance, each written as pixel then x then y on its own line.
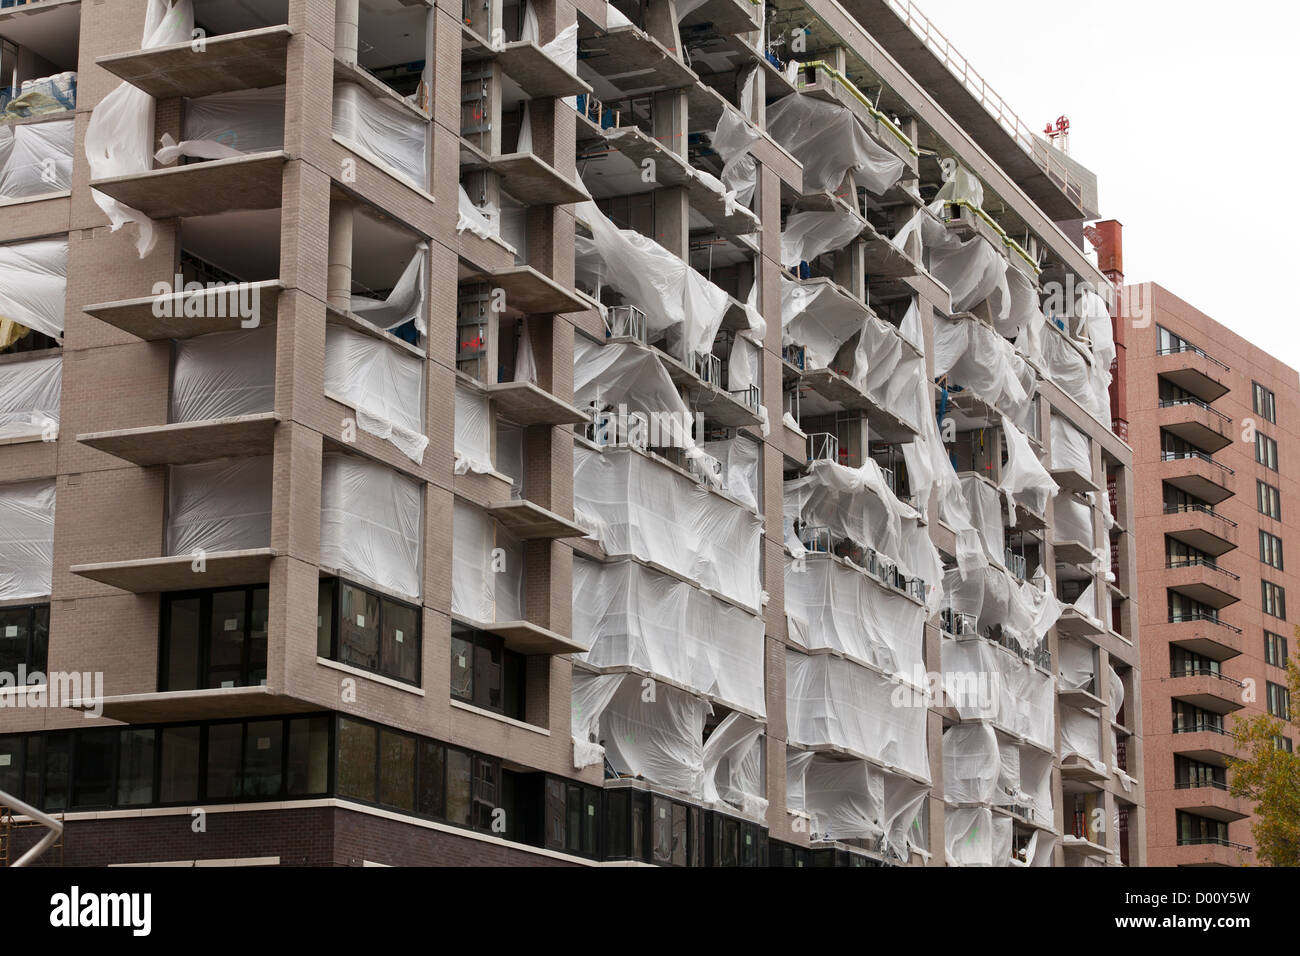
pixel 1195 351
pixel 823 446
pixel 1193 616
pixel 1200 784
pixel 1182 455
pixel 1200 509
pixel 1197 403
pixel 1201 727
pixel 1204 672
pixel 1216 841
pixel 1172 563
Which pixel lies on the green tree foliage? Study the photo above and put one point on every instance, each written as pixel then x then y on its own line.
pixel 1270 778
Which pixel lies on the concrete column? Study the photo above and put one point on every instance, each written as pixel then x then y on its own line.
pixel 347 19
pixel 670 125
pixel 661 23
pixel 338 289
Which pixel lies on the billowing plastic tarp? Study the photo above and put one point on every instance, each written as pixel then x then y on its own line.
pixel 1078 664
pixel 483 222
pixel 973 356
pixel 1081 735
pixel 733 766
pixel 678 301
pixel 35 158
pixel 986 682
pixel 405 303
pixel 1071 448
pixel 487 567
pixel 972 763
pixel 1024 479
pixel 382 130
pixel 34 284
pixel 29 397
pixel 631 616
pixel 815 317
pixel 740 458
pixel 26 539
pixel 591 695
pixel 829 605
pixel 637 507
pixel 732 139
pixel 985 509
pixel 1072 520
pixel 371 523
pixel 384 384
pixel 809 234
pixel 1024 610
pixel 220 505
pixel 473 433
pixel 968 836
pixel 833 702
pixel 119 138
pixel 225 125
pixel 224 374
pixel 853 800
pixel 830 142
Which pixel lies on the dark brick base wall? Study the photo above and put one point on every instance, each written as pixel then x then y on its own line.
pixel 316 836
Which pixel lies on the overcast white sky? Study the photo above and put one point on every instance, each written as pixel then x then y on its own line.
pixel 1171 103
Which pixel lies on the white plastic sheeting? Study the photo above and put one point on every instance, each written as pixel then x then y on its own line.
pixel 473 431
pixel 119 138
pixel 989 683
pixel 975 357
pixel 830 606
pixel 677 300
pixel 371 523
pixel 853 800
pixel 809 234
pixel 382 383
pixel 483 222
pixel 1077 661
pixel 225 125
pixel 591 695
pixel 985 510
pixel 1071 448
pixel 732 139
pixel 220 505
pixel 637 507
pixel 972 763
pixel 34 284
pixel 223 374
pixel 1024 479
pixel 608 378
pixel 833 702
pixel 405 303
pixel 740 458
pixel 818 319
pixel 383 131
pixel 968 838
pixel 733 766
pixel 1081 735
pixel 831 143
pixel 631 616
pixel 35 158
pixel 26 539
pixel 487 567
pixel 1072 520
pixel 1025 610
pixel 29 397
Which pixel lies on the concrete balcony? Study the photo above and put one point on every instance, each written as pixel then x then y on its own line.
pixel 1201 527
pixel 208 704
pixel 634 62
pixel 1210 800
pixel 1204 581
pixel 1209 691
pixel 248 60
pixel 202 189
pixel 525 404
pixel 525 637
pixel 1198 474
pixel 537 74
pixel 184 443
pixel 1205 744
pixel 1215 640
pixel 1195 372
pixel 1196 422
pixel 1209 854
pixel 182 315
pixel 218 569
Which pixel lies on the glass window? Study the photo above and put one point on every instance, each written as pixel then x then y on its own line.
pixel 309 756
pixel 92 786
pixel 226 644
pixel 374 633
pixel 486 798
pixel 1273 599
pixel 1264 401
pixel 432 766
pixel 1275 650
pixel 263 758
pixel 459 786
pixel 661 815
pixel 397 770
pixel 258 625
pixel 327 613
pixel 1270 549
pixel 1279 701
pixel 215 639
pixel 225 748
pixel 358 751
pixel 179 774
pixel 182 634
pixel 24 639
pixel 1265 451
pixel 679 834
pixel 400 654
pixel 617 824
pixel 462 668
pixel 359 628
pixel 485 674
pixel 135 767
pixel 58 759
pixel 11 767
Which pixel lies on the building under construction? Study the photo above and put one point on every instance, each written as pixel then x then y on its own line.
pixel 553 432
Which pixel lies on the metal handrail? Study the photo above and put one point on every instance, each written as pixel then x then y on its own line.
pixel 1202 509
pixel 55 827
pixel 1199 563
pixel 1198 784
pixel 1202 728
pixel 1181 455
pixel 1201 841
pixel 1197 616
pixel 1175 402
pixel 1195 351
pixel 1203 672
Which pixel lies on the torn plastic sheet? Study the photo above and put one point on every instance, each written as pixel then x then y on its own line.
pixel 371 526
pixel 223 374
pixel 637 507
pixel 382 130
pixel 220 505
pixel 1024 480
pixel 808 235
pixel 678 301
pixel 1081 735
pixel 225 125
pixel 487 567
pixel 483 222
pixel 831 606
pixel 972 763
pixel 1024 611
pixel 35 158
pixel 405 303
pixel 632 616
pixel 29 397
pixel 818 319
pixel 853 800
pixel 987 682
pixel 733 766
pixel 830 143
pixel 382 383
pixel 119 137
pixel 968 836
pixel 740 458
pixel 473 432
pixel 26 539
pixel 1071 448
pixel 732 139
pixel 591 695
pixel 975 357
pixel 833 702
pixel 1077 662
pixel 619 375
pixel 34 283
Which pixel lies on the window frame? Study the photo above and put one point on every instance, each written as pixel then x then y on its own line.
pixel 1270 495
pixel 335 584
pixel 1264 401
pixel 1272 599
pixel 1266 451
pixel 29 654
pixel 1273 643
pixel 480 640
pixel 203 663
pixel 1270 550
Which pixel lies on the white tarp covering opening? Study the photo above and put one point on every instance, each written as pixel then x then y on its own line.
pixel 220 505
pixel 809 234
pixel 632 616
pixel 225 125
pixel 405 303
pixel 34 284
pixel 833 702
pixel 968 836
pixel 740 458
pixel 487 567
pixel 29 396
pixel 119 138
pixel 853 800
pixel 591 695
pixel 223 374
pixel 975 357
pixel 35 158
pixel 371 523
pixel 1077 661
pixel 1024 479
pixel 830 142
pixel 637 507
pixel 972 763
pixel 830 606
pixel 1072 520
pixel 382 383
pixel 473 431
pixel 985 509
pixel 732 139
pixel 483 222
pixel 1024 610
pixel 986 682
pixel 1081 735
pixel 383 131
pixel 26 539
pixel 678 301
pixel 1071 448
pixel 733 766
